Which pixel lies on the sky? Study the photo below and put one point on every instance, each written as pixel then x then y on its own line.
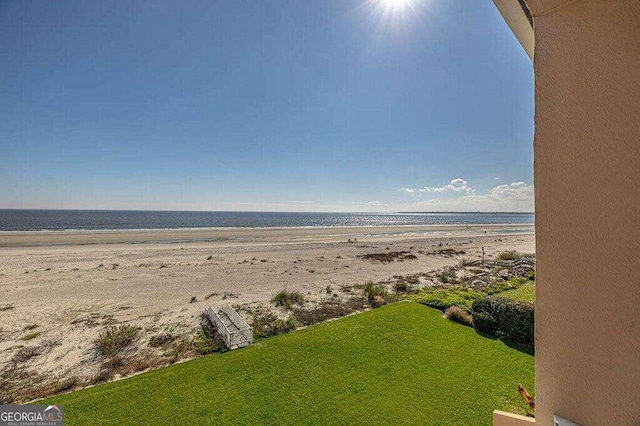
pixel 315 105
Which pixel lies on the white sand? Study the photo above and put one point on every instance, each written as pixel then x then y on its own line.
pixel 55 279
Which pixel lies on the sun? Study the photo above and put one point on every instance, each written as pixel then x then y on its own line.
pixel 392 19
pixel 397 10
pixel 396 5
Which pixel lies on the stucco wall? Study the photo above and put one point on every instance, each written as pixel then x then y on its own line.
pixel 501 418
pixel 587 180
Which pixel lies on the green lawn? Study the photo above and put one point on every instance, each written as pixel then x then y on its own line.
pixel 399 364
pixel 525 293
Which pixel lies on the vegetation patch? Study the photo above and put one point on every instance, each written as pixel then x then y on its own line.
pixel 115 338
pixel 30 336
pixel 509 255
pixel 328 309
pixel 505 318
pixel 160 340
pixel 267 324
pixel 376 294
pixel 448 276
pixel 28 352
pixel 331 373
pixel 399 256
pixel 288 298
pixel 446 252
pixel 207 341
pixel 459 315
pixel 525 293
pixel 442 298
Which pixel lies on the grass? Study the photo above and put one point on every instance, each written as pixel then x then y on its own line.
pixel 459 315
pixel 525 293
pixel 442 298
pixel 113 339
pixel 399 364
pixel 31 336
pixel 288 298
pixel 509 255
pixel 376 294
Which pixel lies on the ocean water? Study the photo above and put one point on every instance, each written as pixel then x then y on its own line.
pixel 57 220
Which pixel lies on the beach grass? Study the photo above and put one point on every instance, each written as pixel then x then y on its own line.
pixel 399 364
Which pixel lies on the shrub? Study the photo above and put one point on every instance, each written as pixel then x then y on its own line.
pixel 281 326
pixel 161 340
pixel 266 324
pixel 206 342
pixel 287 299
pixel 114 339
pixel 401 287
pixel 448 276
pixel 378 301
pixel 459 315
pixel 512 320
pixel 376 294
pixel 484 322
pixel 467 262
pixel 509 255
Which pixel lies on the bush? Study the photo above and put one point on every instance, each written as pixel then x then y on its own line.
pixel 287 299
pixel 509 255
pixel 205 342
pixel 459 315
pixel 114 339
pixel 376 294
pixel 448 276
pixel 266 324
pixel 484 322
pixel 401 287
pixel 378 301
pixel 507 319
pixel 161 340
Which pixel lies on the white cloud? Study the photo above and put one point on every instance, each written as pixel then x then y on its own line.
pixel 456 185
pixel 377 204
pixel 517 196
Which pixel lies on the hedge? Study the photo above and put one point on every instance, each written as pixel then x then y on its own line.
pixel 504 318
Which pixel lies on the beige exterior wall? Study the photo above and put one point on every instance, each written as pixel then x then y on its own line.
pixel 500 418
pixel 587 180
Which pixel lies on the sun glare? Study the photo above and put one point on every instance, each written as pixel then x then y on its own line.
pixel 395 14
pixel 395 4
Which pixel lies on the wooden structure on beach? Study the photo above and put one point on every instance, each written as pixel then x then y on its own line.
pixel 232 327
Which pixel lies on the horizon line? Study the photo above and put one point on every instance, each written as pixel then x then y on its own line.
pixel 267 211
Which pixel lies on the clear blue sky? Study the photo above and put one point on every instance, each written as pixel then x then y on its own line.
pixel 315 105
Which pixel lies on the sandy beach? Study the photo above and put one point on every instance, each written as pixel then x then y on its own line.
pixel 60 289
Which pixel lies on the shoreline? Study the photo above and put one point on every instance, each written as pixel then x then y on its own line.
pixel 62 290
pixel 10 239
